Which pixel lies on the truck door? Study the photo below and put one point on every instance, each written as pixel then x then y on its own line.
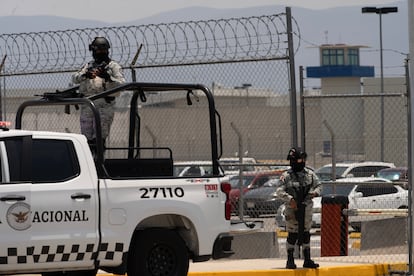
pixel 47 206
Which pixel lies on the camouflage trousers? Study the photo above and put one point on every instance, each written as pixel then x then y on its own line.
pixel 291 221
pixel 87 121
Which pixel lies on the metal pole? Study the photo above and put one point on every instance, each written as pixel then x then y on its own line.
pixel 1 97
pixel 293 112
pixel 382 92
pixel 241 169
pixel 410 163
pixel 410 5
pixel 134 119
pixel 333 173
pixel 380 12
pixel 154 141
pixel 302 110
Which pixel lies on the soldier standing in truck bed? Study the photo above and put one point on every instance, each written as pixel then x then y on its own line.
pixel 96 76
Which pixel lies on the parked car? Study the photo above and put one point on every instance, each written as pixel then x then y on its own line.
pixel 363 193
pixel 352 169
pixel 376 197
pixel 263 200
pixel 398 175
pixel 193 168
pixel 250 180
pixel 235 188
pixel 231 165
pixel 343 186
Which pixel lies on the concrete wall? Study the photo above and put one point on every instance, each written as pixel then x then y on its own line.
pixel 263 118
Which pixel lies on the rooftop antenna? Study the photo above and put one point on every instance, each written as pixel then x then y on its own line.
pixel 326 36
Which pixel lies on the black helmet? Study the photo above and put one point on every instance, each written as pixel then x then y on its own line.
pixel 295 154
pixel 99 43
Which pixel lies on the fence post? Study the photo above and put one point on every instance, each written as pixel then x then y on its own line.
pixel 1 100
pixel 293 107
pixel 241 169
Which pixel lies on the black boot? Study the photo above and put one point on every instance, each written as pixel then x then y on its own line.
pixel 308 263
pixel 290 264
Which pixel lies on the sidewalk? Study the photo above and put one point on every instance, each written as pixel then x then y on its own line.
pixel 339 266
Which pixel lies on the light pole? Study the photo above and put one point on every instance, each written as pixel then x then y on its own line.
pixel 380 12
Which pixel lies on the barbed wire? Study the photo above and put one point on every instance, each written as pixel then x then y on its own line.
pixel 193 42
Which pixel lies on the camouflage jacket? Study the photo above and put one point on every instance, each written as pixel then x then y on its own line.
pixel 298 186
pixel 92 86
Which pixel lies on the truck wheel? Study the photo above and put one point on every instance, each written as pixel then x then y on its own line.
pixel 158 252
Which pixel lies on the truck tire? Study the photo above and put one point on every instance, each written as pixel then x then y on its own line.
pixel 158 252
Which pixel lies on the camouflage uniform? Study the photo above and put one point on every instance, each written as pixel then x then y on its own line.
pixel 93 86
pixel 292 184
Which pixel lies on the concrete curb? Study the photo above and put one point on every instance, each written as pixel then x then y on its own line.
pixel 354 270
pixel 275 267
pixel 338 270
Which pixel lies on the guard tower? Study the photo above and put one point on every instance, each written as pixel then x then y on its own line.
pixel 339 70
pixel 340 74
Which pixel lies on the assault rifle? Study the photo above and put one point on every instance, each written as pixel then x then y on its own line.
pixel 97 69
pixel 301 194
pixel 65 94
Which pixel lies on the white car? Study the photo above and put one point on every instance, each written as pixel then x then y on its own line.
pixel 231 165
pixel 352 169
pixel 363 193
pixel 193 168
pixel 370 193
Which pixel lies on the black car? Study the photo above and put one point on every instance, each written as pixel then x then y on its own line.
pixel 263 200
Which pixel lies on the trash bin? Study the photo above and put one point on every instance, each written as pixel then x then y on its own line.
pixel 334 226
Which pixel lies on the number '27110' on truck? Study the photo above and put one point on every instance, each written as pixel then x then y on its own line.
pixel 65 210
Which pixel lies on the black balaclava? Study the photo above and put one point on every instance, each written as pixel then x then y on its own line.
pixel 293 156
pixel 102 56
pixel 297 167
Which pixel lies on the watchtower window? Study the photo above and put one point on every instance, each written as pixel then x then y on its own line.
pixel 333 57
pixel 353 56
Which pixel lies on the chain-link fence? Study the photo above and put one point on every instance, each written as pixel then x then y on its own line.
pixel 246 64
pixel 243 60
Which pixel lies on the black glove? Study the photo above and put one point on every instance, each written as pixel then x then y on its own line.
pixel 103 74
pixel 89 74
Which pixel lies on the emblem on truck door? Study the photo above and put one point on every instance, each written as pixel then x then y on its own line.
pixel 18 216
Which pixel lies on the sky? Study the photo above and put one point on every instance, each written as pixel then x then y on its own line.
pixel 113 11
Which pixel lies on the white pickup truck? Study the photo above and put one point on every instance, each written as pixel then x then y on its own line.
pixel 64 211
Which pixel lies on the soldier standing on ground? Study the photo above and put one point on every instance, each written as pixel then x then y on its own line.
pixel 96 76
pixel 298 186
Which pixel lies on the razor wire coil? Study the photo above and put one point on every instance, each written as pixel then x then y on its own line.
pixel 193 42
